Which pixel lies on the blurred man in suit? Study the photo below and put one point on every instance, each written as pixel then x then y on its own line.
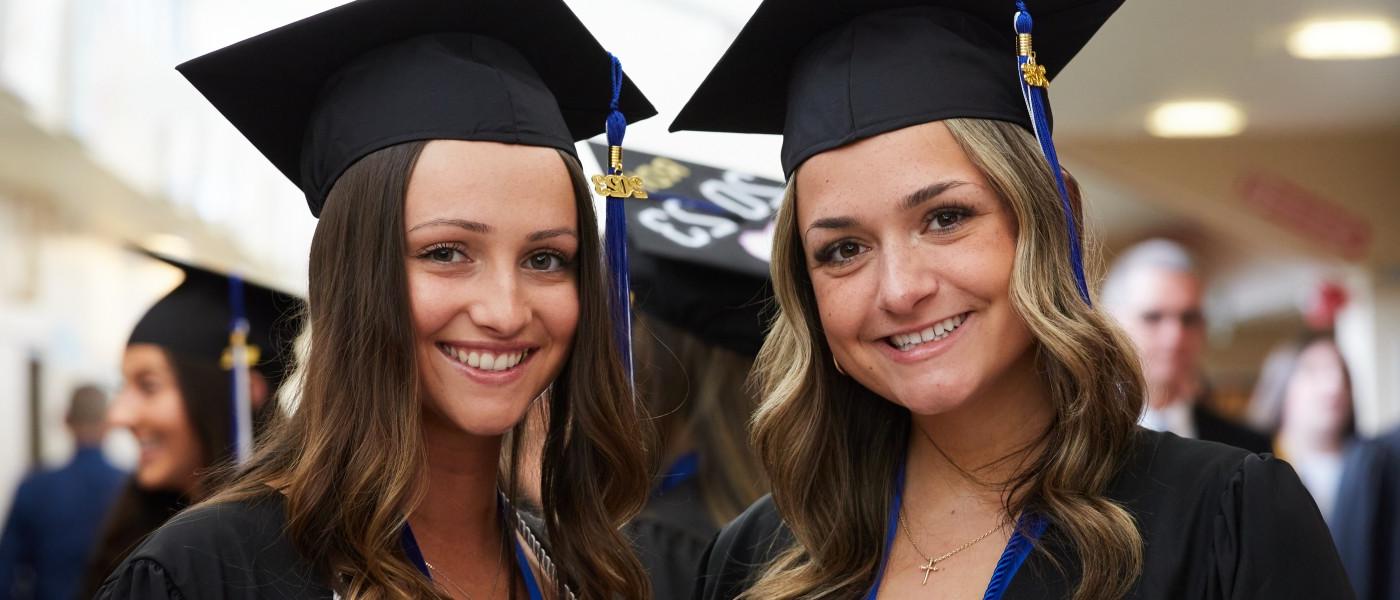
pixel 56 513
pixel 1155 293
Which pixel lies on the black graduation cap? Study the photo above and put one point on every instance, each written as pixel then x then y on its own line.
pixel 825 73
pixel 194 321
pixel 319 94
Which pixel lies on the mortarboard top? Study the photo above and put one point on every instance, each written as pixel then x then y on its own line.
pixel 319 94
pixel 194 319
pixel 826 73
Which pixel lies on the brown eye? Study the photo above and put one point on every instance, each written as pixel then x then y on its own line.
pixel 947 219
pixel 847 250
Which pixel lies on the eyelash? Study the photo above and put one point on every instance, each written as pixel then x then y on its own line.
pixel 827 255
pixel 564 262
pixel 427 253
pixel 963 211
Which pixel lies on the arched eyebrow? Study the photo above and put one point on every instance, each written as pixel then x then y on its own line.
pixel 472 226
pixel 545 234
pixel 927 193
pixel 909 202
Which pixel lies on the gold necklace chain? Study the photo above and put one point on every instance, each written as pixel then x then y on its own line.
pixel 930 563
pixel 495 578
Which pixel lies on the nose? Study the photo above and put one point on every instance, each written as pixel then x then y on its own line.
pixel 905 279
pixel 499 306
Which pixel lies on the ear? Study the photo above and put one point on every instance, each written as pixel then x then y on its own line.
pixel 257 390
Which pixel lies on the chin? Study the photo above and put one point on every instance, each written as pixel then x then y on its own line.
pixel 929 401
pixel 488 418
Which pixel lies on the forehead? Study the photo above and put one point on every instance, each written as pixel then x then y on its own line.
pixel 1163 288
pixel 488 181
pixel 883 168
pixel 144 358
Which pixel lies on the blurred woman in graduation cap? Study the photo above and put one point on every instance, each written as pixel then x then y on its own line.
pixel 456 277
pixel 193 408
pixel 700 324
pixel 945 413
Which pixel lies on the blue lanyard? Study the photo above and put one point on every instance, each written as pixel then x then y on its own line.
pixel 684 469
pixel 1028 529
pixel 532 587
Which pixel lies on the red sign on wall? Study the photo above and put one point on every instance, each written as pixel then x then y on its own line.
pixel 1307 214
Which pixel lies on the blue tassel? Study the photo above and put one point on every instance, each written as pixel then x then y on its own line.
pixel 1035 106
pixel 615 243
pixel 241 407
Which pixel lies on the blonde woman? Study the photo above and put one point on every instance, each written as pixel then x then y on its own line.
pixel 455 276
pixel 944 413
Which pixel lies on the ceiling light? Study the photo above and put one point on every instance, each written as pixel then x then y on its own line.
pixel 1195 118
pixel 1344 39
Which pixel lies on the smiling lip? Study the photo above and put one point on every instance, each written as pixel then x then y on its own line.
pixel 911 353
pixel 489 364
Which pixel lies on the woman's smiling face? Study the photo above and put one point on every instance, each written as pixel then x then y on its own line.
pixel 491 239
pixel 910 252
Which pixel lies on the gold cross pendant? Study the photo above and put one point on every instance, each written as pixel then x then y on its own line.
pixel 928 568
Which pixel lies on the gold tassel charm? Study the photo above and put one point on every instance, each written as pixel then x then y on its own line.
pixel 618 185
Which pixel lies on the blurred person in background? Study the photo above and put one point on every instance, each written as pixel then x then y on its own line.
pixel 697 333
pixel 1155 293
pixel 177 401
pixel 1319 313
pixel 56 513
pixel 1353 481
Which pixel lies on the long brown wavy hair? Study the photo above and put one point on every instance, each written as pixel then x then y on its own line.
pixel 831 447
pixel 350 459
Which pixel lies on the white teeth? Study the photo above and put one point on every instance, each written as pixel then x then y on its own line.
pixel 939 330
pixel 487 361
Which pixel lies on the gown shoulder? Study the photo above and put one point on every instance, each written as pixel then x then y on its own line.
pixel 232 550
pixel 1224 523
pixel 1217 523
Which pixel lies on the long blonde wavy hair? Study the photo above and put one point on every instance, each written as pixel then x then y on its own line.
pixel 831 447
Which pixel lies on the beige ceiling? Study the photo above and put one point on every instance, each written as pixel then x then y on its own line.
pixel 1156 50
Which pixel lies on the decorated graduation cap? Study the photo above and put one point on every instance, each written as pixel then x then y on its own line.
pixel 700 249
pixel 826 73
pixel 321 93
pixel 220 320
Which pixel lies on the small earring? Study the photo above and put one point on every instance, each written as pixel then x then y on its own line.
pixel 838 365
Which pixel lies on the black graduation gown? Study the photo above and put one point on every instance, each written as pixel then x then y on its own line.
pixel 670 536
pixel 1212 427
pixel 1218 523
pixel 227 551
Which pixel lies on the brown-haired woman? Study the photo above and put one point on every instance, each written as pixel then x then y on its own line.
pixel 177 400
pixel 455 278
pixel 944 413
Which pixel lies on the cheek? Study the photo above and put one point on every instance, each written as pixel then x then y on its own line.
pixel 839 307
pixel 429 301
pixel 559 311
